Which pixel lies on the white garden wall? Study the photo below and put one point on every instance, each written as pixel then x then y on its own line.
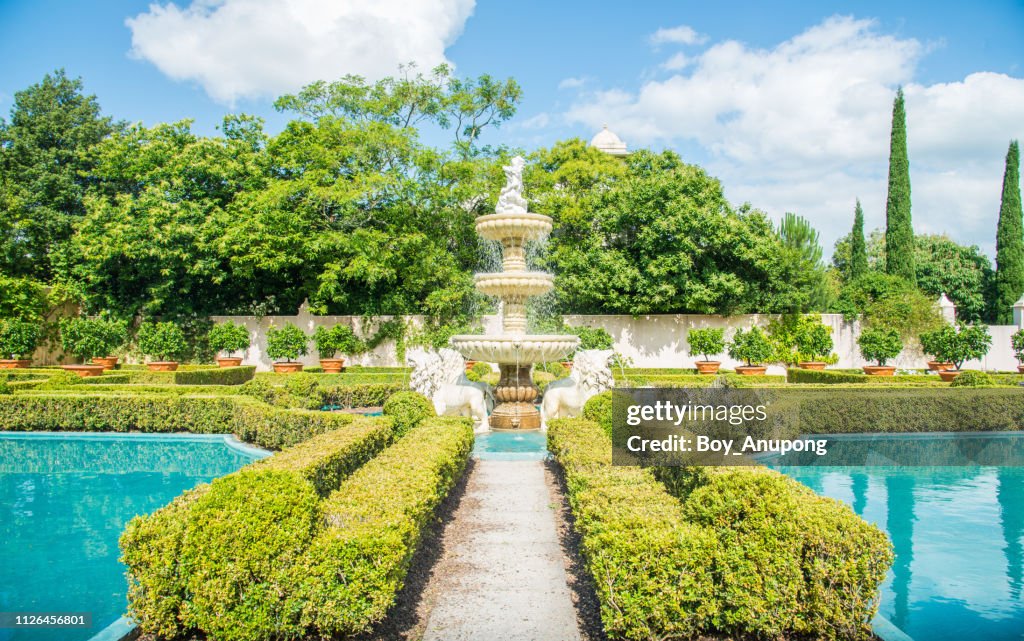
pixel 650 341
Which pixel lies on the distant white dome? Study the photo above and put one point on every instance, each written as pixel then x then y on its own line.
pixel 609 143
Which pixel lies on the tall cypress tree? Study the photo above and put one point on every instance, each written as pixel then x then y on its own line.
pixel 1009 242
pixel 899 232
pixel 858 248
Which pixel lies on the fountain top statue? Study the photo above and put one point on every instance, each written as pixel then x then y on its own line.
pixel 511 200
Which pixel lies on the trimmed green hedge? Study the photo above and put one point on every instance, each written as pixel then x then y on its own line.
pixel 252 421
pixel 893 409
pixel 243 532
pixel 696 380
pixel 794 563
pixel 737 551
pixel 258 554
pixel 219 376
pixel 651 569
pixel 835 377
pixel 356 567
pixel 346 378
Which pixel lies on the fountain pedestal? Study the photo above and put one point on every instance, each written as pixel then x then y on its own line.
pixel 516 394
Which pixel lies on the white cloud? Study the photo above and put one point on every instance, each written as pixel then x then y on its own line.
pixel 681 35
pixel 677 62
pixel 250 48
pixel 804 127
pixel 572 83
pixel 539 121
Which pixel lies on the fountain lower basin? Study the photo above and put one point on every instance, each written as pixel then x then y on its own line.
pixel 513 349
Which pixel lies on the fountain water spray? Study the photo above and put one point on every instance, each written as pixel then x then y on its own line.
pixel 514 350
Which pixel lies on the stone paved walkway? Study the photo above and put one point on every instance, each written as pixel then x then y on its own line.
pixel 504 577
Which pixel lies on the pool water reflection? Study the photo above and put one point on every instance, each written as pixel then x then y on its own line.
pixel 958 534
pixel 64 500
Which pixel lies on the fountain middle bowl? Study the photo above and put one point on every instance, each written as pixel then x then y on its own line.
pixel 515 349
pixel 519 285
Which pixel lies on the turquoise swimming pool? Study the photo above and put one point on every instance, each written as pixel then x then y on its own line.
pixel 958 534
pixel 64 500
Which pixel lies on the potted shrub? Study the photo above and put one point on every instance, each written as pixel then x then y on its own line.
pixel 229 337
pixel 329 342
pixel 879 345
pixel 930 345
pixel 959 344
pixel 752 347
pixel 813 344
pixel 288 342
pixel 1017 342
pixel 18 339
pixel 92 340
pixel 706 342
pixel 163 342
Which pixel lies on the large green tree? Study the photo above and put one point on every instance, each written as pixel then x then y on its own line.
pixel 1009 280
pixel 345 207
pixel 152 240
pixel 942 266
pixel 858 250
pixel 899 232
pixel 803 256
pixel 651 234
pixel 45 170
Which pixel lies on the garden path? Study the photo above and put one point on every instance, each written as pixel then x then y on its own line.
pixel 502 571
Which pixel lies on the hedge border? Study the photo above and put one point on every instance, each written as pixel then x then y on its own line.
pixel 219 376
pixel 677 566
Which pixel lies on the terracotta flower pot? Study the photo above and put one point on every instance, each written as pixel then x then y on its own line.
pixel 108 362
pixel 84 371
pixel 162 366
pixel 229 361
pixel 879 370
pixel 287 368
pixel 567 365
pixel 15 363
pixel 1020 369
pixel 332 365
pixel 938 366
pixel 469 365
pixel 708 367
pixel 751 370
pixel 948 375
pixel 814 365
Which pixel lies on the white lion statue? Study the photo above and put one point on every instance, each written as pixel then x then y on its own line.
pixel 590 376
pixel 441 376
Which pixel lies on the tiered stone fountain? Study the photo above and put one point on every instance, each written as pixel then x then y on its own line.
pixel 514 350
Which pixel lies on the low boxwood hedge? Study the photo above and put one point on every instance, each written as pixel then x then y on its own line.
pixel 894 409
pixel 651 569
pixel 251 420
pixel 219 376
pixel 239 533
pixel 736 551
pixel 259 554
pixel 376 519
pixel 696 380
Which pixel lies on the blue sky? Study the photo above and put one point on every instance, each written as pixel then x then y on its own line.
pixel 787 103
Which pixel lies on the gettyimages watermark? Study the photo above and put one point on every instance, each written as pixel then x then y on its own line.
pixel 782 427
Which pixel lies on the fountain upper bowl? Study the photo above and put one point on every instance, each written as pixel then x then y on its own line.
pixel 511 349
pixel 513 226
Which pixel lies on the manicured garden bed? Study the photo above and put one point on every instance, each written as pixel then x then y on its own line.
pixel 725 552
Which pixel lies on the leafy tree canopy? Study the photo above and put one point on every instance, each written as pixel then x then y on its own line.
pixel 651 234
pixel 942 265
pixel 45 166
